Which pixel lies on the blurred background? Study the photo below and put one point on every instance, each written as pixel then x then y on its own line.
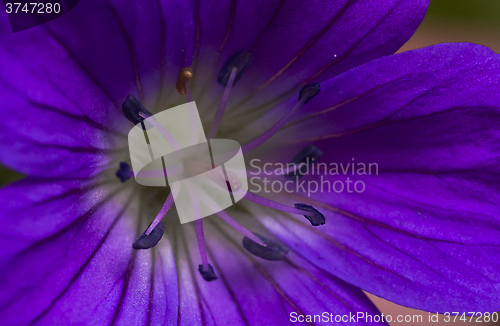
pixel 476 21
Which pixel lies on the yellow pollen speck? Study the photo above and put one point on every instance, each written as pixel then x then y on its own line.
pixel 184 75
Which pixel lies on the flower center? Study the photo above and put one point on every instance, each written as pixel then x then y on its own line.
pixel 254 243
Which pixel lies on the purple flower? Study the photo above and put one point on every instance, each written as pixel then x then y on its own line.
pixel 423 232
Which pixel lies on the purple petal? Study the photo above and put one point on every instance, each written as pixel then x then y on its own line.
pixel 426 231
pixel 67 258
pixel 64 103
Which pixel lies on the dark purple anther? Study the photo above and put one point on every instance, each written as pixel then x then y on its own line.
pixel 312 214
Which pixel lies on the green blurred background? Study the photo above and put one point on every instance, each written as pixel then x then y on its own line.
pixel 7 176
pixel 476 21
pixel 467 11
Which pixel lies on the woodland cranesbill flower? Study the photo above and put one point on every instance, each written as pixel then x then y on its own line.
pixel 425 233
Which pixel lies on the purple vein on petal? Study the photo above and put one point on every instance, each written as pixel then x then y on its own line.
pixel 386 122
pixel 197 23
pixel 72 55
pixel 222 277
pixel 175 248
pixel 71 149
pixel 429 205
pixel 157 252
pixel 315 280
pixel 357 97
pixel 71 191
pixel 436 173
pixel 287 94
pixel 269 24
pixel 318 283
pixel 352 48
pixel 60 90
pixel 130 46
pixel 82 118
pixel 418 261
pixel 366 220
pixel 299 54
pixel 80 219
pixel 349 250
pixel 128 272
pixel 370 91
pixel 423 94
pixel 232 13
pixel 185 247
pixel 85 264
pixel 163 42
pixel 126 275
pixel 464 266
pixel 151 287
pixel 337 106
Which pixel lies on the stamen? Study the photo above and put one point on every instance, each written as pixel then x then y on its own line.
pixel 271 204
pixel 309 91
pixel 163 211
pixel 134 111
pixel 124 172
pixel 305 95
pixel 241 61
pixel 240 228
pixel 313 215
pixel 200 236
pixel 222 105
pixel 145 241
pixel 182 78
pixel 271 251
pixel 209 274
pixel 302 160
